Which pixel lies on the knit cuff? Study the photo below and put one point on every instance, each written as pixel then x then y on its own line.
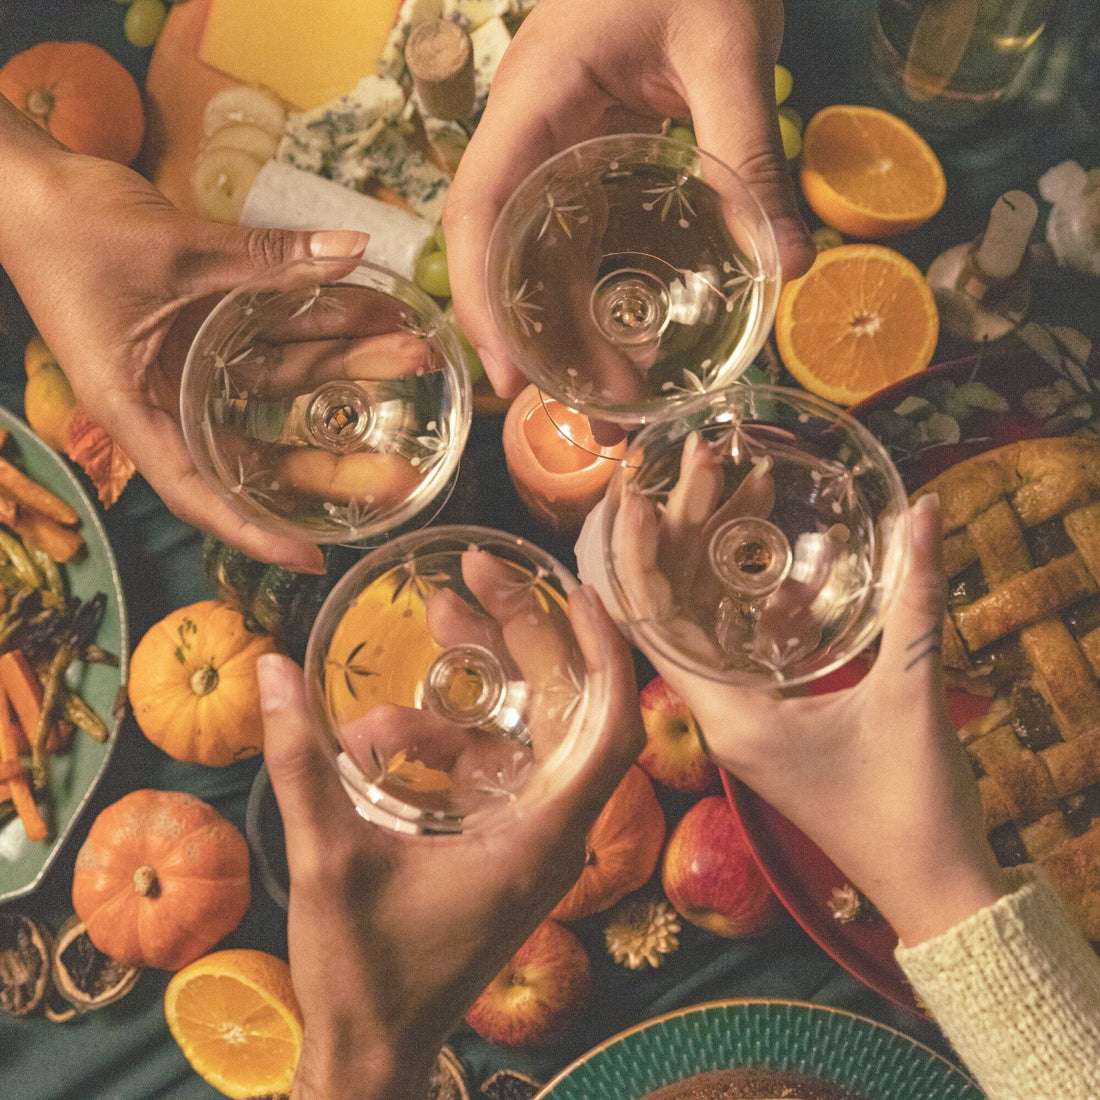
pixel 1016 988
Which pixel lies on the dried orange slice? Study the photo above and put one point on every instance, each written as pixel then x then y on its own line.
pixel 236 1019
pixel 867 173
pixel 861 318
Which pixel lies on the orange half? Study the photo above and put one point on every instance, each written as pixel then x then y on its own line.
pixel 868 173
pixel 235 1017
pixel 860 319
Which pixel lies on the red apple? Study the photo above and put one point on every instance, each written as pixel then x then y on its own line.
pixel 674 753
pixel 545 986
pixel 710 874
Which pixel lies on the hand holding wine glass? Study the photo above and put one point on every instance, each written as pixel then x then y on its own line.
pixel 390 939
pixel 577 70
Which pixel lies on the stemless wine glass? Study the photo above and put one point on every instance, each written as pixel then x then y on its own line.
pixel 445 676
pixel 759 539
pixel 631 272
pixel 328 400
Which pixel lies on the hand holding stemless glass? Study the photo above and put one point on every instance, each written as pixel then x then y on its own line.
pixel 391 939
pixel 577 70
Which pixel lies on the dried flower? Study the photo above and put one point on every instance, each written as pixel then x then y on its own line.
pixel 641 932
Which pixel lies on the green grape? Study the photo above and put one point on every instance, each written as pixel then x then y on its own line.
pixel 784 82
pixel 144 18
pixel 477 368
pixel 790 129
pixel 439 239
pixel 683 134
pixel 431 270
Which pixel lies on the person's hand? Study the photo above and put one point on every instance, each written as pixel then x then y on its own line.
pixel 116 281
pixel 875 774
pixel 391 938
pixel 578 69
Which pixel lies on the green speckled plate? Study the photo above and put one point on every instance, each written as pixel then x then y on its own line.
pixel 827 1043
pixel 75 774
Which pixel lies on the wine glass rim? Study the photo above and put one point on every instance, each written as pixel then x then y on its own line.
pixel 761 246
pixel 896 555
pixel 349 271
pixel 557 767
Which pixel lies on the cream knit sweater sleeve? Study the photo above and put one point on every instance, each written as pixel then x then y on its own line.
pixel 1016 990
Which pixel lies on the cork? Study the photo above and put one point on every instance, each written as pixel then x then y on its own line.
pixel 440 57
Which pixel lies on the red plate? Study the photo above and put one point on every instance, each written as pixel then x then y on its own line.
pixel 1029 398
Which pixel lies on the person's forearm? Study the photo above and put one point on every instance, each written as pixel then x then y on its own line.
pixel 1016 989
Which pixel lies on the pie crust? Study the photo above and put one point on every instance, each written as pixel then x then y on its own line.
pixel 1022 554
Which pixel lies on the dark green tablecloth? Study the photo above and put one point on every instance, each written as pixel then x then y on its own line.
pixel 125 1051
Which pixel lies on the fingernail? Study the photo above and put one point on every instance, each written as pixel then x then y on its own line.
pixel 337 242
pixel 271 676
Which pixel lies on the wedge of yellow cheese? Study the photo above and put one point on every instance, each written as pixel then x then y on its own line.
pixel 307 51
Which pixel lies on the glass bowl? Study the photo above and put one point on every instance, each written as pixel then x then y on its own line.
pixel 631 272
pixel 759 539
pixel 444 673
pixel 328 401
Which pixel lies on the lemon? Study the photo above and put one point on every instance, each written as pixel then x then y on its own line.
pixel 49 404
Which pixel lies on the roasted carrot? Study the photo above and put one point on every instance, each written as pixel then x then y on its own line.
pixel 23 691
pixel 47 534
pixel 37 497
pixel 18 786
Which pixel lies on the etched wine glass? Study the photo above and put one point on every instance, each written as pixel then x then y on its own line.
pixel 758 539
pixel 329 401
pixel 631 272
pixel 446 678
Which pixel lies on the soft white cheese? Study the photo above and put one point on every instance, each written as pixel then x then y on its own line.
pixel 285 197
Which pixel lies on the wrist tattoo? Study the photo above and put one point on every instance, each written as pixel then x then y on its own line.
pixel 924 646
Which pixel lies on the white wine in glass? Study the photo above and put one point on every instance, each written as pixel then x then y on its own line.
pixel 446 680
pixel 329 401
pixel 631 272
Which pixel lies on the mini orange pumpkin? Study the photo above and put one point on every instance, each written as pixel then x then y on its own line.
pixel 81 95
pixel 193 684
pixel 160 879
pixel 622 848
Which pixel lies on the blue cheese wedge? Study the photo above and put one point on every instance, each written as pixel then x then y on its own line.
pixel 397 164
pixel 490 40
pixel 315 140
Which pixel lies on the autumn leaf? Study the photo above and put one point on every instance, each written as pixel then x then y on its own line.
pixel 100 457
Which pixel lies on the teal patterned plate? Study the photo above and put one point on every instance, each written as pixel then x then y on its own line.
pixel 826 1043
pixel 76 773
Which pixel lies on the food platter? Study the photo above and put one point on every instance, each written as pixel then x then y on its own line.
pixel 76 773
pixel 829 1044
pixel 980 402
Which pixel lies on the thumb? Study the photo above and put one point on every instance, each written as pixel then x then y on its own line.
pixel 305 782
pixel 912 638
pixel 735 118
pixel 224 256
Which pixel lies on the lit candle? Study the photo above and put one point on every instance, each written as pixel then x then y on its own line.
pixel 559 470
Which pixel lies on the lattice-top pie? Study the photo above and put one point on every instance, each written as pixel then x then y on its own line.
pixel 1022 551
